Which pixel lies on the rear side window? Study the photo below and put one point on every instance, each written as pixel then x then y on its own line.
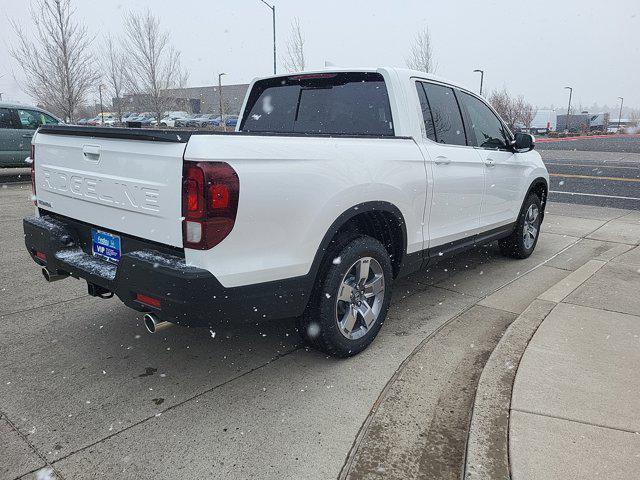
pixel 7 119
pixel 427 116
pixel 332 103
pixel 447 118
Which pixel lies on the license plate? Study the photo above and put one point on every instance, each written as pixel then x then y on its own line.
pixel 105 245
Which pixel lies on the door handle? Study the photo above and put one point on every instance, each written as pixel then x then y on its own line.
pixel 440 160
pixel 27 135
pixel 490 163
pixel 91 152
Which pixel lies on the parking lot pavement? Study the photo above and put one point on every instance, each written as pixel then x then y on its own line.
pixel 609 179
pixel 625 144
pixel 86 392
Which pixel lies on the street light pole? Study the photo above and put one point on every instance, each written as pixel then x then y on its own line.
pixel 220 99
pixel 481 78
pixel 569 107
pixel 101 109
pixel 273 14
pixel 620 114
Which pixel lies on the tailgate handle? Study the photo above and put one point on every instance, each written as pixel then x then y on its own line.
pixel 91 152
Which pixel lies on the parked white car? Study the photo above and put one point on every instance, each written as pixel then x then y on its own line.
pixel 334 185
pixel 169 120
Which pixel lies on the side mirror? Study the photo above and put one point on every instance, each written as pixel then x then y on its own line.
pixel 523 142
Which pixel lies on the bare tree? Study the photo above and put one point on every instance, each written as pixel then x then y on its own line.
pixel 512 110
pixel 153 65
pixel 421 53
pixel 294 60
pixel 526 111
pixel 58 64
pixel 113 64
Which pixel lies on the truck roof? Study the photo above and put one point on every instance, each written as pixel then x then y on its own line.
pixel 400 71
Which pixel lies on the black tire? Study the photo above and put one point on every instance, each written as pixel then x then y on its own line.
pixel 517 245
pixel 319 325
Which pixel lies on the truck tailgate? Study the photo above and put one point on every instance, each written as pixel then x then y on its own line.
pixel 126 185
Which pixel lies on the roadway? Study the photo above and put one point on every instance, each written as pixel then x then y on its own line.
pixel 594 171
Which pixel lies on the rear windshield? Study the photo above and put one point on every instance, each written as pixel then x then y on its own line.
pixel 332 103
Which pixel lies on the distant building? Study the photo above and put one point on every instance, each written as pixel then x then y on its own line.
pixel 584 122
pixel 195 99
pixel 577 122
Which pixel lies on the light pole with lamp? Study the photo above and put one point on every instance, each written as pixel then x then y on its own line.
pixel 273 14
pixel 620 114
pixel 481 72
pixel 569 108
pixel 101 108
pixel 220 100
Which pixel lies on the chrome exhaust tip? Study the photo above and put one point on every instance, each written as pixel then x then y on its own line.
pixel 153 324
pixel 52 277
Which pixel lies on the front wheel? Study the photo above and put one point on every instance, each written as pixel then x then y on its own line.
pixel 350 299
pixel 523 240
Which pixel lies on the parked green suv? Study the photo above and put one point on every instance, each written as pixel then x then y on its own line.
pixel 18 123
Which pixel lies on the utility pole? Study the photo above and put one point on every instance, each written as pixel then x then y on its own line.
pixel 220 99
pixel 273 14
pixel 101 109
pixel 569 108
pixel 481 78
pixel 620 114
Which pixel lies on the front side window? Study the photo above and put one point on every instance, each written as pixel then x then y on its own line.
pixel 447 118
pixel 331 103
pixel 486 128
pixel 48 119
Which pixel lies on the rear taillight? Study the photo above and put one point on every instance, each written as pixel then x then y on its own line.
pixel 33 173
pixel 210 192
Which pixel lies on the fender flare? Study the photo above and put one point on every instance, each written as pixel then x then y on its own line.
pixel 537 181
pixel 344 218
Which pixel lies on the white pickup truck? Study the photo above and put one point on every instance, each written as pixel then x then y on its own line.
pixel 334 184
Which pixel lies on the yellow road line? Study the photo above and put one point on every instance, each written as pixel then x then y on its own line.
pixel 613 179
pixel 594 166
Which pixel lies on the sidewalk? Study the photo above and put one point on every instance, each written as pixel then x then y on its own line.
pixel 554 353
pixel 575 403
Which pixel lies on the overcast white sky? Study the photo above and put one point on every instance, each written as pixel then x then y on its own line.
pixel 534 49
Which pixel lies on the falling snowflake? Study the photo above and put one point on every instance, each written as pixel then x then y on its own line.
pixel 313 330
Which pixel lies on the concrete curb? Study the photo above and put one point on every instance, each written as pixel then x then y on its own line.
pixel 488 442
pixel 487 453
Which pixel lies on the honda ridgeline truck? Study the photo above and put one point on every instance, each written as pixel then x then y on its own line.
pixel 334 184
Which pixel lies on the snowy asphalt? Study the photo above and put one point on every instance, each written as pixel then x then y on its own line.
pixel 87 392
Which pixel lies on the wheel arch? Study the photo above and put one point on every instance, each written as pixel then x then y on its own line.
pixel 540 187
pixel 380 219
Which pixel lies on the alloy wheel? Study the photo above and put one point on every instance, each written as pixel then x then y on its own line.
pixel 530 227
pixel 360 298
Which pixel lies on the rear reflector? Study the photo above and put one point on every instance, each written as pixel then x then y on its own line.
pixel 41 256
pixel 145 299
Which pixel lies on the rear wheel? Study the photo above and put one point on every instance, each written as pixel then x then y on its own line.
pixel 350 299
pixel 523 240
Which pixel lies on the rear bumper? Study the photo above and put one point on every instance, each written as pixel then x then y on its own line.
pixel 188 295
